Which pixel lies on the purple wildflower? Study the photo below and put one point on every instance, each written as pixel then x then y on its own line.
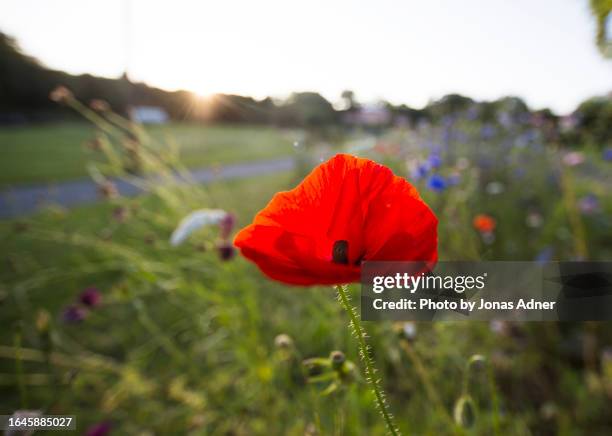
pixel 588 204
pixel 488 131
pixel 90 297
pixel 100 429
pixel 226 225
pixel 573 158
pixel 74 314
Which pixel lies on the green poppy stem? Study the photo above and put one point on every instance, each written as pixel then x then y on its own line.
pixel 370 369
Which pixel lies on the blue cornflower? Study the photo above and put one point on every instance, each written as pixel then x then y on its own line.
pixel 607 154
pixel 435 161
pixel 419 171
pixel 487 131
pixel 588 204
pixel 437 183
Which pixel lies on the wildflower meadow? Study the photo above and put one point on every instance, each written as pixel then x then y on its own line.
pixel 138 315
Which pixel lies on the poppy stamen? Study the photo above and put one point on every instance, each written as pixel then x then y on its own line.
pixel 340 252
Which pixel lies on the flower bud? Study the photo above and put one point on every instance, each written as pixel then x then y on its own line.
pixel 60 94
pixel 465 411
pixel 283 341
pixel 108 189
pixel 337 359
pixel 477 361
pixel 99 105
pixel 226 250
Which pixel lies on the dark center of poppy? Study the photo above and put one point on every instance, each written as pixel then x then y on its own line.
pixel 340 252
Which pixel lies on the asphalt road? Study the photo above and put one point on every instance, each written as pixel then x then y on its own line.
pixel 26 200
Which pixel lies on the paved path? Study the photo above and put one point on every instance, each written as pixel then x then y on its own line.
pixel 27 200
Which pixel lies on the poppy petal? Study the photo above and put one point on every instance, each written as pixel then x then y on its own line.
pixel 346 210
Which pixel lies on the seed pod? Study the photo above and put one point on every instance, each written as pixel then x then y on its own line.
pixel 465 411
pixel 337 359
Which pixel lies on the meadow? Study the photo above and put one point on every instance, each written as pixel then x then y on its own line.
pixel 193 340
pixel 52 152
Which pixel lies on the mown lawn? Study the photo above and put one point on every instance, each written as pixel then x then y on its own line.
pixel 47 153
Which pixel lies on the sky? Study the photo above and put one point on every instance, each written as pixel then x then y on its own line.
pixel 401 51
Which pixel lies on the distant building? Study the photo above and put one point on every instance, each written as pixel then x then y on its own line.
pixel 148 115
pixel 369 115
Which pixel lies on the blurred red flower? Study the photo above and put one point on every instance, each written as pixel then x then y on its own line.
pixel 484 223
pixel 345 211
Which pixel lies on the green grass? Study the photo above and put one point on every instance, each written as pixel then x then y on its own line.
pixel 185 341
pixel 49 153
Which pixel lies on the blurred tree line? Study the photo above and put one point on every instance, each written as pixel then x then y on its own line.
pixel 25 85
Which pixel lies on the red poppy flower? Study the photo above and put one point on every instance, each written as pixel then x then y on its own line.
pixel 484 223
pixel 347 210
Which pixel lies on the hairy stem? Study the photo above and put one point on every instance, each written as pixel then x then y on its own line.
pixel 370 370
